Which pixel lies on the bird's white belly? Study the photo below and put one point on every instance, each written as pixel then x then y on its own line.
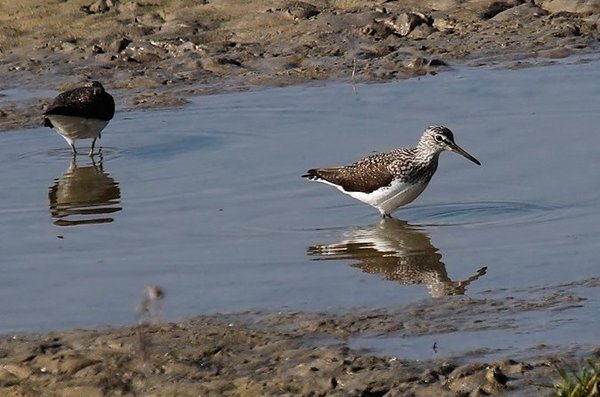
pixel 387 199
pixel 72 128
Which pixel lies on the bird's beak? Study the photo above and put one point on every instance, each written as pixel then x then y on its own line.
pixel 457 149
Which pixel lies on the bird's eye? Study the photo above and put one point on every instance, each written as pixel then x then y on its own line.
pixel 439 138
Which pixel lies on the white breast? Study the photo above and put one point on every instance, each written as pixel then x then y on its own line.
pixel 389 198
pixel 72 128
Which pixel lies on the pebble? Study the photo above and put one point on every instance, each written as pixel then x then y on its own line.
pixel 404 23
pixel 98 7
pixel 300 10
pixel 20 371
pixel 7 378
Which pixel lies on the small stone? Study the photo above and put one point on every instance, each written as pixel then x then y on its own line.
pixel 568 30
pixel 495 375
pixel 478 393
pixel 68 46
pixel 120 44
pixel 429 376
pixel 404 23
pixel 144 52
pixel 7 378
pixel 219 65
pixel 421 31
pixel 62 363
pixel 71 365
pixel 494 9
pixel 444 24
pixel 422 62
pixel 19 371
pixel 98 7
pixel 376 30
pixel 527 10
pixel 152 19
pixel 301 10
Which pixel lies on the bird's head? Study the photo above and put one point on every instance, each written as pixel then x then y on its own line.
pixel 438 138
pixel 96 85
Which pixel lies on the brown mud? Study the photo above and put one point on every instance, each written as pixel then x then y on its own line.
pixel 157 53
pixel 224 355
pixel 293 353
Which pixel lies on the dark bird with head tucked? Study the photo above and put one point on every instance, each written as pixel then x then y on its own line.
pixel 81 113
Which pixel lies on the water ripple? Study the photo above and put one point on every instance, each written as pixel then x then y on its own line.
pixel 49 156
pixel 483 213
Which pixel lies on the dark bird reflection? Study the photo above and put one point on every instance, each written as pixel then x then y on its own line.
pixel 398 251
pixel 84 195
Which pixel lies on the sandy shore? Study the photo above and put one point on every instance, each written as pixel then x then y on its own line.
pixel 155 54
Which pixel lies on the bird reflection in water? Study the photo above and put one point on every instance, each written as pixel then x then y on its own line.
pixel 84 195
pixel 400 252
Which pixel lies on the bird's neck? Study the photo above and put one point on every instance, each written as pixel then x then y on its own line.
pixel 426 154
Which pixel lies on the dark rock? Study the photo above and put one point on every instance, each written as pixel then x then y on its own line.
pixel 495 375
pixel 150 19
pixel 421 62
pixel 98 7
pixel 422 31
pixel 219 64
pixel 120 44
pixel 300 10
pixel 96 49
pixel 144 52
pixel 404 23
pixel 376 30
pixel 523 11
pixel 68 46
pixel 494 9
pixel 568 30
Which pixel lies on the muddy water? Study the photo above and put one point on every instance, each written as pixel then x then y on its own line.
pixel 206 201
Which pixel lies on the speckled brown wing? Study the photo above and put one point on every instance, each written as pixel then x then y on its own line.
pixel 85 102
pixel 365 176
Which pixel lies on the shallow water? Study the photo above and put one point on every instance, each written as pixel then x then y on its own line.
pixel 207 202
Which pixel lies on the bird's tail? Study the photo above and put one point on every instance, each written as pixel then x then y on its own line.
pixel 312 174
pixel 47 123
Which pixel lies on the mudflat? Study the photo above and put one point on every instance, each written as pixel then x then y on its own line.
pixel 258 354
pixel 156 53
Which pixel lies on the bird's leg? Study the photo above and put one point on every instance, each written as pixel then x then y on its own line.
pixel 73 149
pixel 91 153
pixel 100 160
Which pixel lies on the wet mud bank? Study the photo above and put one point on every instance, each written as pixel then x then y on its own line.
pixel 155 54
pixel 216 356
pixel 290 354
